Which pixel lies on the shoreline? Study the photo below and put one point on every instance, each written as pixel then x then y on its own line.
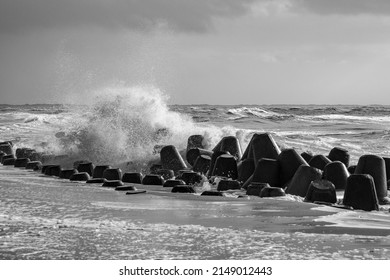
pixel 45 210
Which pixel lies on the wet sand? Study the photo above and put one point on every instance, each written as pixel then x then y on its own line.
pixel 49 218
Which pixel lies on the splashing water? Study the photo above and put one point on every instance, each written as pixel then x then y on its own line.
pixel 125 124
pixel 120 125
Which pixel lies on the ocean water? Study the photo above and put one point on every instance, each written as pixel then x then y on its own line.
pixel 47 218
pixel 125 124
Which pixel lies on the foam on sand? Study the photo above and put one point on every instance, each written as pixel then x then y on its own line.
pixel 49 218
pixel 355 219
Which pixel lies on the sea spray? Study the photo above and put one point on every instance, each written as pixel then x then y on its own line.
pixel 64 129
pixel 125 124
pixel 120 125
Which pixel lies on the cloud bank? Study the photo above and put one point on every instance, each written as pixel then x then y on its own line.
pixel 181 15
pixel 345 7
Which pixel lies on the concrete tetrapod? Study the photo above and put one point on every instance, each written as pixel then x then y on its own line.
pixel 173 182
pixel 9 161
pixel 7 149
pixel 21 162
pixel 261 145
pixel 245 169
pixel 387 164
pixel 214 159
pixel 302 179
pixel 231 145
pixel 360 193
pixel 321 191
pixel 36 156
pixel 1 155
pixel 113 183
pixel 165 173
pixel 53 170
pixel 225 185
pixel 24 152
pixel 193 154
pixel 44 167
pixel 351 169
pixel 264 146
pixel 82 176
pixel 34 165
pixel 255 188
pixel 375 166
pixel 67 173
pixel 191 178
pixel 171 159
pixel 307 156
pixel 271 192
pixel 202 164
pixel 4 158
pixel 86 167
pixel 153 179
pixel 132 177
pixel 289 162
pixel 97 181
pixel 132 190
pixel 267 171
pixel 195 141
pixel 319 161
pixel 182 189
pixel 99 170
pixel 112 174
pixel 337 173
pixel 339 154
pixel 211 193
pixel 226 166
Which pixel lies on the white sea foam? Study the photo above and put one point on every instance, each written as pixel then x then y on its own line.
pixel 125 123
pixel 246 112
pixel 355 219
pixel 347 118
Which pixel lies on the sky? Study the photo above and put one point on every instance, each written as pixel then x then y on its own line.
pixel 197 51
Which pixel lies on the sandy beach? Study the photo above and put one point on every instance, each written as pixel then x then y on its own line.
pixel 44 217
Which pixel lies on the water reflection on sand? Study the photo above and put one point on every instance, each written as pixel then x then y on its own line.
pixel 50 218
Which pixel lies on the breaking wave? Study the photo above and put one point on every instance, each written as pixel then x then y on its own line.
pixel 256 112
pixel 127 123
pixel 124 123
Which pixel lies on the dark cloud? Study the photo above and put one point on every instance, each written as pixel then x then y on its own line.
pixel 347 7
pixel 185 15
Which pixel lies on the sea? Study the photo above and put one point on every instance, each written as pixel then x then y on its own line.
pixel 127 124
pixel 44 218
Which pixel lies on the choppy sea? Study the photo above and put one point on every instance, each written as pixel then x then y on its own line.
pixel 44 218
pixel 127 125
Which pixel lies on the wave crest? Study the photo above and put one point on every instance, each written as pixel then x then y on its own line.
pixel 256 112
pixel 125 124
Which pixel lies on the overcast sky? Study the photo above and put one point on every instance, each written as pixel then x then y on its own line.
pixel 197 51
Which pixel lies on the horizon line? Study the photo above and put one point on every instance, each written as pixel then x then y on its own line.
pixel 205 104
